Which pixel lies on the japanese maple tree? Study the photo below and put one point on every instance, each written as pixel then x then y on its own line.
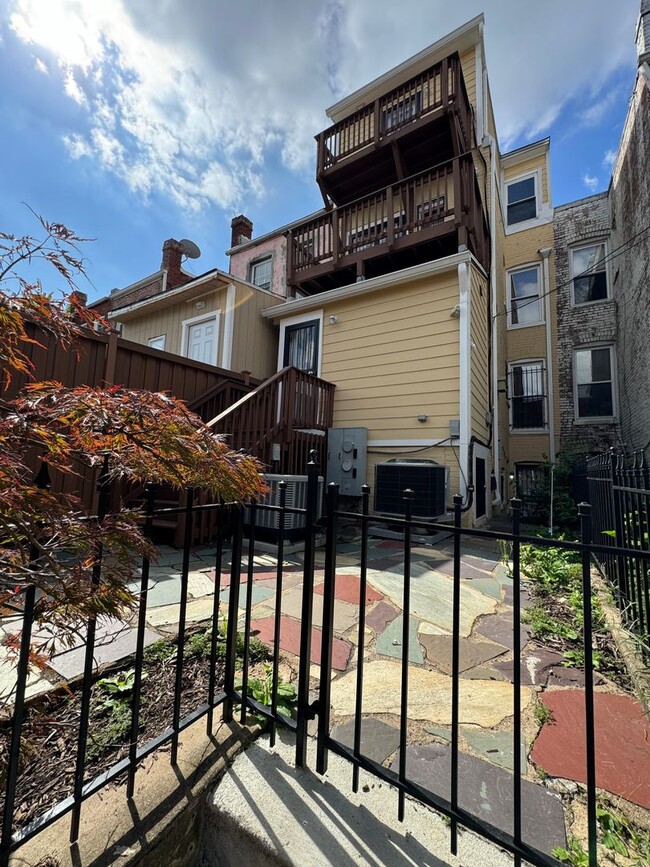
pixel 47 539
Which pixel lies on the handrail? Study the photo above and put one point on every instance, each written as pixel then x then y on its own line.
pixel 281 374
pixel 247 397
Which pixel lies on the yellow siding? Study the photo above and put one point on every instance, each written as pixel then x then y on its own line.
pixel 528 447
pixel 529 342
pixel 254 345
pixel 520 248
pixel 394 355
pixel 169 322
pixel 527 167
pixel 480 401
pixel 468 65
pixel 255 340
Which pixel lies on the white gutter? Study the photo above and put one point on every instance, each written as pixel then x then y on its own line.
pixel 394 278
pixel 545 254
pixel 465 358
pixel 228 327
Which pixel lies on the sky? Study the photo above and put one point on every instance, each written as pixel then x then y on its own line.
pixel 133 121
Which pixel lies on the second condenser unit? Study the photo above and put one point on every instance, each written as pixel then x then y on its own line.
pixel 346 459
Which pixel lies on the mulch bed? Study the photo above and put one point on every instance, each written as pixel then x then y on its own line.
pixel 50 731
pixel 611 665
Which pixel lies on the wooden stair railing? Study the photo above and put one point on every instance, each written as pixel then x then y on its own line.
pixel 286 409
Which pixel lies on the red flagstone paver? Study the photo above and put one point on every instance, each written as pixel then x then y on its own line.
pixel 622 743
pixel 348 587
pixel 382 614
pixel 290 640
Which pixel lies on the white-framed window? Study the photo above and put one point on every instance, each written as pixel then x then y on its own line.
pixel 527 396
pixel 589 274
pixel 521 200
pixel 157 342
pixel 200 337
pixel 261 272
pixel 524 297
pixel 594 383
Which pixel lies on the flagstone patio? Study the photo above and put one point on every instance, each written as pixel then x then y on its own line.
pixel 487 664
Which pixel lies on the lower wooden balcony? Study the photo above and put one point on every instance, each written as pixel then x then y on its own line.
pixel 421 218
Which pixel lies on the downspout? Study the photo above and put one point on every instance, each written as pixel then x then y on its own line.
pixel 494 304
pixel 545 254
pixel 465 384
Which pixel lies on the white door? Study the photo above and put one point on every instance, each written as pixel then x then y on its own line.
pixel 202 342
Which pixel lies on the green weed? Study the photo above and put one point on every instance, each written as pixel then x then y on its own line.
pixel 574 855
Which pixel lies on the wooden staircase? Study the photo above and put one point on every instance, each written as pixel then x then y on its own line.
pixel 282 420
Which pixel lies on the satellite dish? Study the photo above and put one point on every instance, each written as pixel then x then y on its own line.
pixel 189 248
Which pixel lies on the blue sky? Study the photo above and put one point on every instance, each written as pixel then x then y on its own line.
pixel 133 121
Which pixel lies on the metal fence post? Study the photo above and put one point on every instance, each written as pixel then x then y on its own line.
pixel 103 488
pixel 188 529
pixel 233 612
pixel 311 515
pixel 455 672
pixel 139 647
pixel 404 686
pixel 516 505
pixel 328 630
pixel 584 511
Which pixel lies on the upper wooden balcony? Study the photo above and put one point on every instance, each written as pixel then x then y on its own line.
pixel 422 218
pixel 351 152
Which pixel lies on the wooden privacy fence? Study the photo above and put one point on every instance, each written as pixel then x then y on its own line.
pixel 107 359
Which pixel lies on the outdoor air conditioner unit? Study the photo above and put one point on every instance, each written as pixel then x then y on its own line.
pixel 267 522
pixel 427 479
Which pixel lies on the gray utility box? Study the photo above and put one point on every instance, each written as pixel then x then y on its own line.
pixel 347 459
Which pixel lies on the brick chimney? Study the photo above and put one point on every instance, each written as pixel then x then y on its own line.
pixel 172 254
pixel 242 230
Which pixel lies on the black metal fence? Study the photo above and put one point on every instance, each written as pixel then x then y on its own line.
pixel 619 489
pixel 237 528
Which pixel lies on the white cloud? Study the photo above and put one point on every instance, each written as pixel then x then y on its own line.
pixel 590 182
pixel 197 104
pixel 41 67
pixel 609 159
pixel 72 88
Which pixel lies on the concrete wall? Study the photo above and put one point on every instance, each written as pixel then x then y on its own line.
pixel 630 202
pixel 576 224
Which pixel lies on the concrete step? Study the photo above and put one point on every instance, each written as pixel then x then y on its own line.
pixel 267 813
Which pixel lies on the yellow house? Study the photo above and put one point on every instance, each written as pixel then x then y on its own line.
pixel 214 319
pixel 422 288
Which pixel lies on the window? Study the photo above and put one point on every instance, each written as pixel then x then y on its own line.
pixel 594 383
pixel 527 396
pixel 525 306
pixel 301 346
pixel 262 272
pixel 521 200
pixel 157 342
pixel 589 274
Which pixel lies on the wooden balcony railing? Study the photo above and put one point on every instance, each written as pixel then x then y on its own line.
pixel 289 409
pixel 438 87
pixel 432 203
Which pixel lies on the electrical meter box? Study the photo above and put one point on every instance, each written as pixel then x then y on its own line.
pixel 347 459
